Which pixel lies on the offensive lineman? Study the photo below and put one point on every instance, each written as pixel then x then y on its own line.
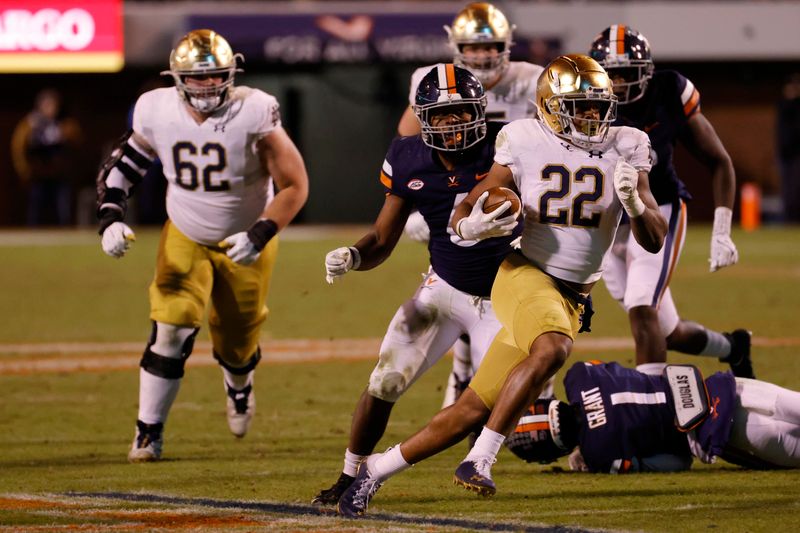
pixel 575 175
pixel 221 146
pixel 431 172
pixel 481 40
pixel 666 106
pixel 624 421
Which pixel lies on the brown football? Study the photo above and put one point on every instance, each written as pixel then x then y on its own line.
pixel 498 195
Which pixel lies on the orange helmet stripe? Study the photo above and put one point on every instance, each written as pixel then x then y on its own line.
pixel 620 38
pixel 450 71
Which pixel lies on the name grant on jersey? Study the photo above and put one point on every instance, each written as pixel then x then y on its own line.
pixel 594 408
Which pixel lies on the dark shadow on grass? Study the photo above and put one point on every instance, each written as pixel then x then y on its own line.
pixel 299 510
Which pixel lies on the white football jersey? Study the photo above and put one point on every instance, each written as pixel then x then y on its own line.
pixel 217 185
pixel 571 208
pixel 511 98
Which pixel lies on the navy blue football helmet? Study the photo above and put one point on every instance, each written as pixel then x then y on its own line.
pixel 451 106
pixel 625 54
pixel 548 430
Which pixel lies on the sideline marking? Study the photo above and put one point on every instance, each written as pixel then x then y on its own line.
pixel 302 510
pixel 29 358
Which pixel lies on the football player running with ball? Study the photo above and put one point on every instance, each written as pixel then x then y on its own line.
pixel 575 175
pixel 666 106
pixel 481 38
pixel 222 146
pixel 432 173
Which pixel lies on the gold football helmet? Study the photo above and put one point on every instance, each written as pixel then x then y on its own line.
pixel 576 100
pixel 481 23
pixel 203 53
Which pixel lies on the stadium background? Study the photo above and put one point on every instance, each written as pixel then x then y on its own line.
pixel 341 103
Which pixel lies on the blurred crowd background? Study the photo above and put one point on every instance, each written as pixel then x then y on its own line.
pixel 341 70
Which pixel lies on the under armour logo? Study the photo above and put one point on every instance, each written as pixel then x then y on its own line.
pixel 596 153
pixel 219 127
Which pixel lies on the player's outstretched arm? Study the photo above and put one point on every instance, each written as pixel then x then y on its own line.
pixel 702 141
pixel 376 246
pixel 471 223
pixel 633 190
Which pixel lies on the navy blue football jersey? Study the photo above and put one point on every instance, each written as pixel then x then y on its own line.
pixel 414 172
pixel 668 103
pixel 625 416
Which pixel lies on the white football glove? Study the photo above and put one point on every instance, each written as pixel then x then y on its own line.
pixel 576 461
pixel 117 238
pixel 240 248
pixel 626 178
pixel 723 251
pixel 340 261
pixel 416 228
pixel 479 225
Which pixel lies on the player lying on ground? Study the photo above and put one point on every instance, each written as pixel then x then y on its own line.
pixel 619 420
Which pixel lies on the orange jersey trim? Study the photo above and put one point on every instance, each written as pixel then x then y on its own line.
pixel 386 180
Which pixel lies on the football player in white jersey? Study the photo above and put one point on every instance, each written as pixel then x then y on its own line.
pixel 575 175
pixel 481 39
pixel 221 146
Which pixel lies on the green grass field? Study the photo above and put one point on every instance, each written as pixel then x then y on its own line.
pixel 64 434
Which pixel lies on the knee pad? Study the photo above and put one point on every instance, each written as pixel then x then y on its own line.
pixel 241 370
pixel 168 349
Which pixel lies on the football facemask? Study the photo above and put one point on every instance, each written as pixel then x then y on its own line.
pixel 625 54
pixel 548 430
pixel 203 55
pixel 450 105
pixel 575 99
pixel 481 23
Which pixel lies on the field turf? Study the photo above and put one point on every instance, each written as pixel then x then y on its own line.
pixel 66 425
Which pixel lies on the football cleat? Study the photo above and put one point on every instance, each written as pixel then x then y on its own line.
pixel 147 443
pixel 330 496
pixel 241 404
pixel 476 476
pixel 739 358
pixel 356 498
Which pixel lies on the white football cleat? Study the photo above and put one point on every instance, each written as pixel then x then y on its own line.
pixel 241 404
pixel 147 443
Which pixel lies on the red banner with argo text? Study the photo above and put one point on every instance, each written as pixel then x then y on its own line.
pixel 61 36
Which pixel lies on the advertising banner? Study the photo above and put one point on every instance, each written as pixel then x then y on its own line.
pixel 337 38
pixel 61 36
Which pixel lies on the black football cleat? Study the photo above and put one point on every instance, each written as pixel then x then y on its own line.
pixel 330 496
pixel 476 476
pixel 739 358
pixel 356 498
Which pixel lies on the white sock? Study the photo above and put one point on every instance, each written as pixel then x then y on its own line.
pixel 156 395
pixel 651 369
pixel 488 443
pixel 351 462
pixel 237 381
pixel 717 345
pixel 385 465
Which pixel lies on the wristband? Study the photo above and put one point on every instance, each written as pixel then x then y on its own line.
pixel 636 207
pixel 356 255
pixel 261 232
pixel 108 215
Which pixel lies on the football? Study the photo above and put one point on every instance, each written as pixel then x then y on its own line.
pixel 498 195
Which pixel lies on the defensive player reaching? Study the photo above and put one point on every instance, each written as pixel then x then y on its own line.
pixel 575 175
pixel 481 39
pixel 624 421
pixel 431 172
pixel 666 106
pixel 222 146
